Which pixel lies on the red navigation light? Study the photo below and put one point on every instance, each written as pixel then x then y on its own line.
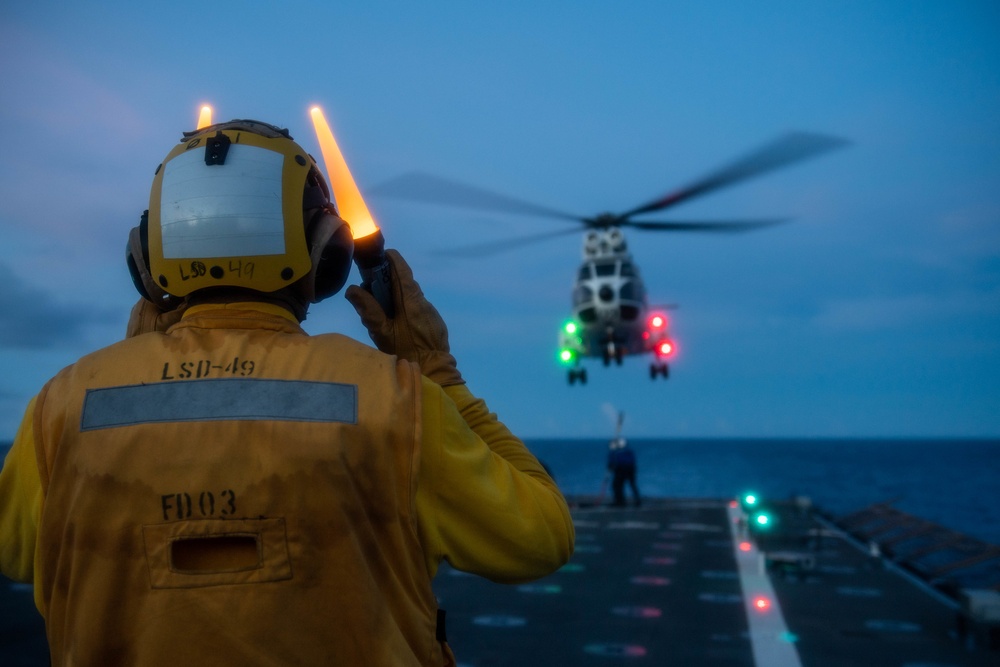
pixel 745 546
pixel 657 321
pixel 761 603
pixel 665 348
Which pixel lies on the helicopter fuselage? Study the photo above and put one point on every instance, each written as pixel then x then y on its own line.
pixel 611 317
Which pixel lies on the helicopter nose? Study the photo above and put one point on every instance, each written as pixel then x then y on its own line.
pixel 606 293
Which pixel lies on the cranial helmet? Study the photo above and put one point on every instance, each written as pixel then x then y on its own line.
pixel 239 205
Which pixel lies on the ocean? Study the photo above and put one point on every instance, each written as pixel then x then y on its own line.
pixel 955 483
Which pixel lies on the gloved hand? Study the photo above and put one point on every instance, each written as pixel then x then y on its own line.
pixel 417 333
pixel 147 317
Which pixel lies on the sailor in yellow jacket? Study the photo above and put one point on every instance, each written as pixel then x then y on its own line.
pixel 222 488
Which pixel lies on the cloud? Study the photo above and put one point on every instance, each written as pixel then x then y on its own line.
pixel 881 313
pixel 31 318
pixel 75 144
pixel 52 91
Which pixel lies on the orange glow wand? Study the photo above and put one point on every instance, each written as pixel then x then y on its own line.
pixel 349 201
pixel 369 243
pixel 204 117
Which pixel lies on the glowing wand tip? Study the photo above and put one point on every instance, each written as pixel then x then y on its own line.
pixel 204 117
pixel 350 204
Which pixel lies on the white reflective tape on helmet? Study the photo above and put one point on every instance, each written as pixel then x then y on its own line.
pixel 227 211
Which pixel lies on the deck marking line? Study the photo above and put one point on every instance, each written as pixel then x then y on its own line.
pixel 768 632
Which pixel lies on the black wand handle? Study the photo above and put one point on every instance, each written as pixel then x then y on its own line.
pixel 376 272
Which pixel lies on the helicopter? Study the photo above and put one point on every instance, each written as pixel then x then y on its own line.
pixel 611 315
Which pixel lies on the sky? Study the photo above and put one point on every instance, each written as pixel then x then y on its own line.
pixel 875 312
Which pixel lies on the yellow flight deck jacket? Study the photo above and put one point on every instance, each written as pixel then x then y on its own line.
pixel 237 492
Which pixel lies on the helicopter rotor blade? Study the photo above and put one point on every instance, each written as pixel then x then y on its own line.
pixel 497 247
pixel 418 186
pixel 703 226
pixel 782 152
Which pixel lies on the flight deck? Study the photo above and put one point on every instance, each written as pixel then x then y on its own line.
pixel 696 582
pixel 691 582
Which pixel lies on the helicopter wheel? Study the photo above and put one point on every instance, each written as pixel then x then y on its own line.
pixel 607 357
pixel 618 356
pixel 577 374
pixel 658 369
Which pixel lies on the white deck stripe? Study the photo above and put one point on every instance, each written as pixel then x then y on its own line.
pixel 769 635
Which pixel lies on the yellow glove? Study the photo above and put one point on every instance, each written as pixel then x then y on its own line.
pixel 146 317
pixel 416 333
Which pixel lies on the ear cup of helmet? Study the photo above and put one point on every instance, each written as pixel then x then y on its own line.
pixel 137 258
pixel 331 248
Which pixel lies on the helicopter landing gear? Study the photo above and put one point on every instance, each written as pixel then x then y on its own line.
pixel 660 368
pixel 577 374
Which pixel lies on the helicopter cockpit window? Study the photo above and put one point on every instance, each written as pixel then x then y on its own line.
pixel 582 294
pixel 627 269
pixel 627 291
pixel 585 272
pixel 605 269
